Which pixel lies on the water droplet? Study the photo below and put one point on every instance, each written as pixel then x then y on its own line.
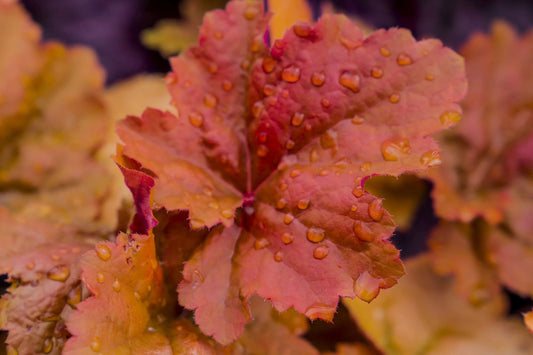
pixel 100 277
pixel 48 345
pixel 59 273
pixel 353 208
pixel 325 103
pixel 208 191
pixel 245 64
pixel 269 89
pixel 137 296
pixel 171 78
pixel 449 118
pixel 288 218
pixel 103 251
pixel 96 344
pixel 55 257
pixel 316 235
pixel 272 101
pixel 365 166
pixel 430 77
pixel 377 72
pixel 219 35
pixel 375 210
pixel 350 44
pixel 431 158
pixel 227 85
pixel 196 119
pixel 303 204
pixel 384 51
pixel 227 214
pixel 76 250
pixel 281 203
pixel 283 187
pixel 278 256
pixel 291 74
pixel 287 238
pixel 262 136
pixel 392 149
pixel 196 224
pixel 313 155
pixel 213 68
pixel 116 285
pixel 290 144
pixel 269 64
pixel 256 45
pixel 362 232
pixel 257 109
pixel 251 12
pixel 321 252
pixel 404 59
pixel 261 243
pixel 366 287
pixel 210 100
pixel 30 265
pixel 214 205
pixel 327 140
pixel 302 29
pixel 324 172
pixel 285 93
pixel 262 151
pixel 350 81
pixel 295 173
pixel 322 311
pixel 357 191
pixel 394 98
pixel 297 119
pixel 318 78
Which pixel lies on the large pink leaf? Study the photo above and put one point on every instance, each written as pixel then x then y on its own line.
pixel 271 149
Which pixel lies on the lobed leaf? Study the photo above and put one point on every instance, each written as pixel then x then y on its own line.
pixel 270 151
pixel 41 260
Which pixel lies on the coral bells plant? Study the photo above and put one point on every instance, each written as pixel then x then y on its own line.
pixel 269 152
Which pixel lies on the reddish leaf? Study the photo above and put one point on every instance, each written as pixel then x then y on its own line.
pixel 41 260
pixel 528 318
pixel 276 146
pixel 126 281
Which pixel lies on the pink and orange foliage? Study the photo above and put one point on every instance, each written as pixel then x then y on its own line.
pixel 484 190
pixel 269 153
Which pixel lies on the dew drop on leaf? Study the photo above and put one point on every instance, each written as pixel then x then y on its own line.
pixel 384 51
pixel 171 78
pixel 350 81
pixel 227 85
pixel 316 235
pixel 262 151
pixel 394 98
pixel 295 173
pixel 325 103
pixel 288 218
pixel 318 78
pixel 377 72
pixel 287 238
pixel 353 208
pixel 362 232
pixel 103 251
pixel 257 109
pixel 196 119
pixel 196 224
pixel 260 243
pixel 449 118
pixel 366 166
pixel 375 210
pixel 227 214
pixel 281 203
pixel 291 74
pixel 404 59
pixel 269 64
pixel 290 144
pixel 116 285
pixel 30 265
pixel 393 148
pixel 303 204
pixel 96 344
pixel 357 191
pixel 431 158
pixel 366 287
pixel 278 256
pixel 100 277
pixel 297 119
pixel 251 12
pixel 269 89
pixel 48 345
pixel 210 100
pixel 313 155
pixel 59 273
pixel 321 252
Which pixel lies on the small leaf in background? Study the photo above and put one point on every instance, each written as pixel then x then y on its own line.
pixel 423 315
pixel 170 36
pixel 270 151
pixel 42 263
pixel 122 316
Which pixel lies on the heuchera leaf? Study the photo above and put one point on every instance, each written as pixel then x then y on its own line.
pixel 41 261
pixel 424 315
pixel 491 147
pixel 271 148
pixel 528 318
pixel 121 318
